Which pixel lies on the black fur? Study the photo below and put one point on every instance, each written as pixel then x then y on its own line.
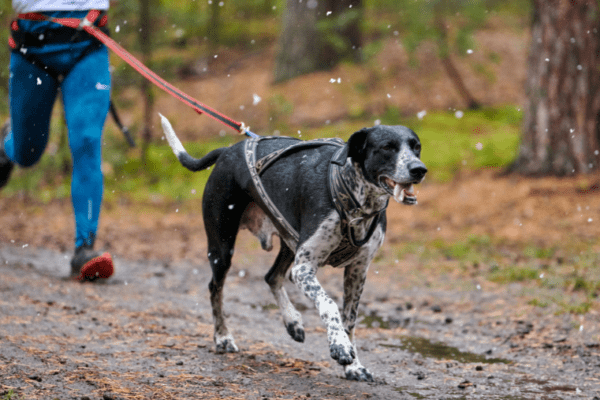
pixel 298 185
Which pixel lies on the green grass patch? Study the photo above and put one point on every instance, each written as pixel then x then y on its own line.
pixel 514 273
pixel 449 144
pixel 487 138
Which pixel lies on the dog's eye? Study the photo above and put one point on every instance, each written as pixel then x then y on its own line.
pixel 389 147
pixel 415 145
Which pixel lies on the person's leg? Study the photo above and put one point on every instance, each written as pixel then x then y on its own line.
pixel 86 97
pixel 31 96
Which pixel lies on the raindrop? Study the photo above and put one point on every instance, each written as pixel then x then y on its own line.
pixel 230 206
pixel 242 273
pixel 256 99
pixel 470 51
pixel 459 114
pixel 421 114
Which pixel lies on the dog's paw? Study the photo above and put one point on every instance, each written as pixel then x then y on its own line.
pixel 296 331
pixel 359 373
pixel 344 355
pixel 226 345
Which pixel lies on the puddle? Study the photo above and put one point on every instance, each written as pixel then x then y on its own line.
pixel 441 351
pixel 374 321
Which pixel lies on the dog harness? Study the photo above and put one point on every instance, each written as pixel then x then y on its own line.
pixel 346 205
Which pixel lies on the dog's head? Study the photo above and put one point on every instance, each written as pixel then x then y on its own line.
pixel 390 159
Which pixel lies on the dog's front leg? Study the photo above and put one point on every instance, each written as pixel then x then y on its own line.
pixel 354 281
pixel 310 255
pixel 304 276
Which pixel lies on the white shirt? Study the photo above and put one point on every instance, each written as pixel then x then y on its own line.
pixel 24 6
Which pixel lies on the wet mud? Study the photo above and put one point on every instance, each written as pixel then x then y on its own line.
pixel 147 333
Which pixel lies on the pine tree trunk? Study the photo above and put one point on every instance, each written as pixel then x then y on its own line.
pixel 303 49
pixel 299 40
pixel 560 128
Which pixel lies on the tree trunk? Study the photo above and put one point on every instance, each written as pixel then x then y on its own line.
pixel 146 88
pixel 560 128
pixel 214 26
pixel 303 47
pixel 449 67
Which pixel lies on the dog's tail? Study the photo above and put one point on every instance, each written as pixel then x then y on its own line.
pixel 191 163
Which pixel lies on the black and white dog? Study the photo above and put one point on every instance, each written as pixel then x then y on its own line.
pixel 378 163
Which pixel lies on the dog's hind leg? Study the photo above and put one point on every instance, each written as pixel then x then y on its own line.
pixel 275 278
pixel 221 221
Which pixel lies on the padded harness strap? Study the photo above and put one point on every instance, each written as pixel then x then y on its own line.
pixel 341 196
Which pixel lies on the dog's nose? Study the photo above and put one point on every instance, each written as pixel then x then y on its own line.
pixel 417 170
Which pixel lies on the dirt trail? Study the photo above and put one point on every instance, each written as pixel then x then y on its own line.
pixel 147 333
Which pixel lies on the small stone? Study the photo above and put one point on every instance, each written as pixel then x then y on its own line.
pixel 479 368
pixel 465 384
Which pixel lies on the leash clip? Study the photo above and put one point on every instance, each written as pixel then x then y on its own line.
pixel 244 129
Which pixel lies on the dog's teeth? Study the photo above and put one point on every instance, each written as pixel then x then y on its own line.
pixel 398 193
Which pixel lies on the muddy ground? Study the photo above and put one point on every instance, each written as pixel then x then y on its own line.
pixel 147 332
pixel 431 327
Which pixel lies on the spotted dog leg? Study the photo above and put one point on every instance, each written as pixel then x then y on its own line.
pixel 275 278
pixel 354 280
pixel 310 255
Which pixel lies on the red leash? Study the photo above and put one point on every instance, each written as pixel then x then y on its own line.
pixel 87 24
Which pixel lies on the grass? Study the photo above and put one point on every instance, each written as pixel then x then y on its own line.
pixel 450 144
pixel 565 282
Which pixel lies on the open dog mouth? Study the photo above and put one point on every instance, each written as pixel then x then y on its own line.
pixel 401 192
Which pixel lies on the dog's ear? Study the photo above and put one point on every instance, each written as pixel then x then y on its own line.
pixel 357 144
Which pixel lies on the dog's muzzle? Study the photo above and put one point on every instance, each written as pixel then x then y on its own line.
pixel 403 192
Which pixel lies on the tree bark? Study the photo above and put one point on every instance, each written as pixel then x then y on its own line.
pixel 303 48
pixel 146 88
pixel 561 116
pixel 449 67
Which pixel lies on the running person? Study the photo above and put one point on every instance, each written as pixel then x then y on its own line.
pixel 45 57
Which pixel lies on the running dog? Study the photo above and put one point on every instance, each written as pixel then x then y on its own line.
pixel 325 199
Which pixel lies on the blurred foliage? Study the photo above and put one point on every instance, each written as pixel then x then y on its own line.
pixel 180 38
pixel 419 21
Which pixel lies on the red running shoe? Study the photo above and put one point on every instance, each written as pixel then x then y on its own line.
pixel 88 265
